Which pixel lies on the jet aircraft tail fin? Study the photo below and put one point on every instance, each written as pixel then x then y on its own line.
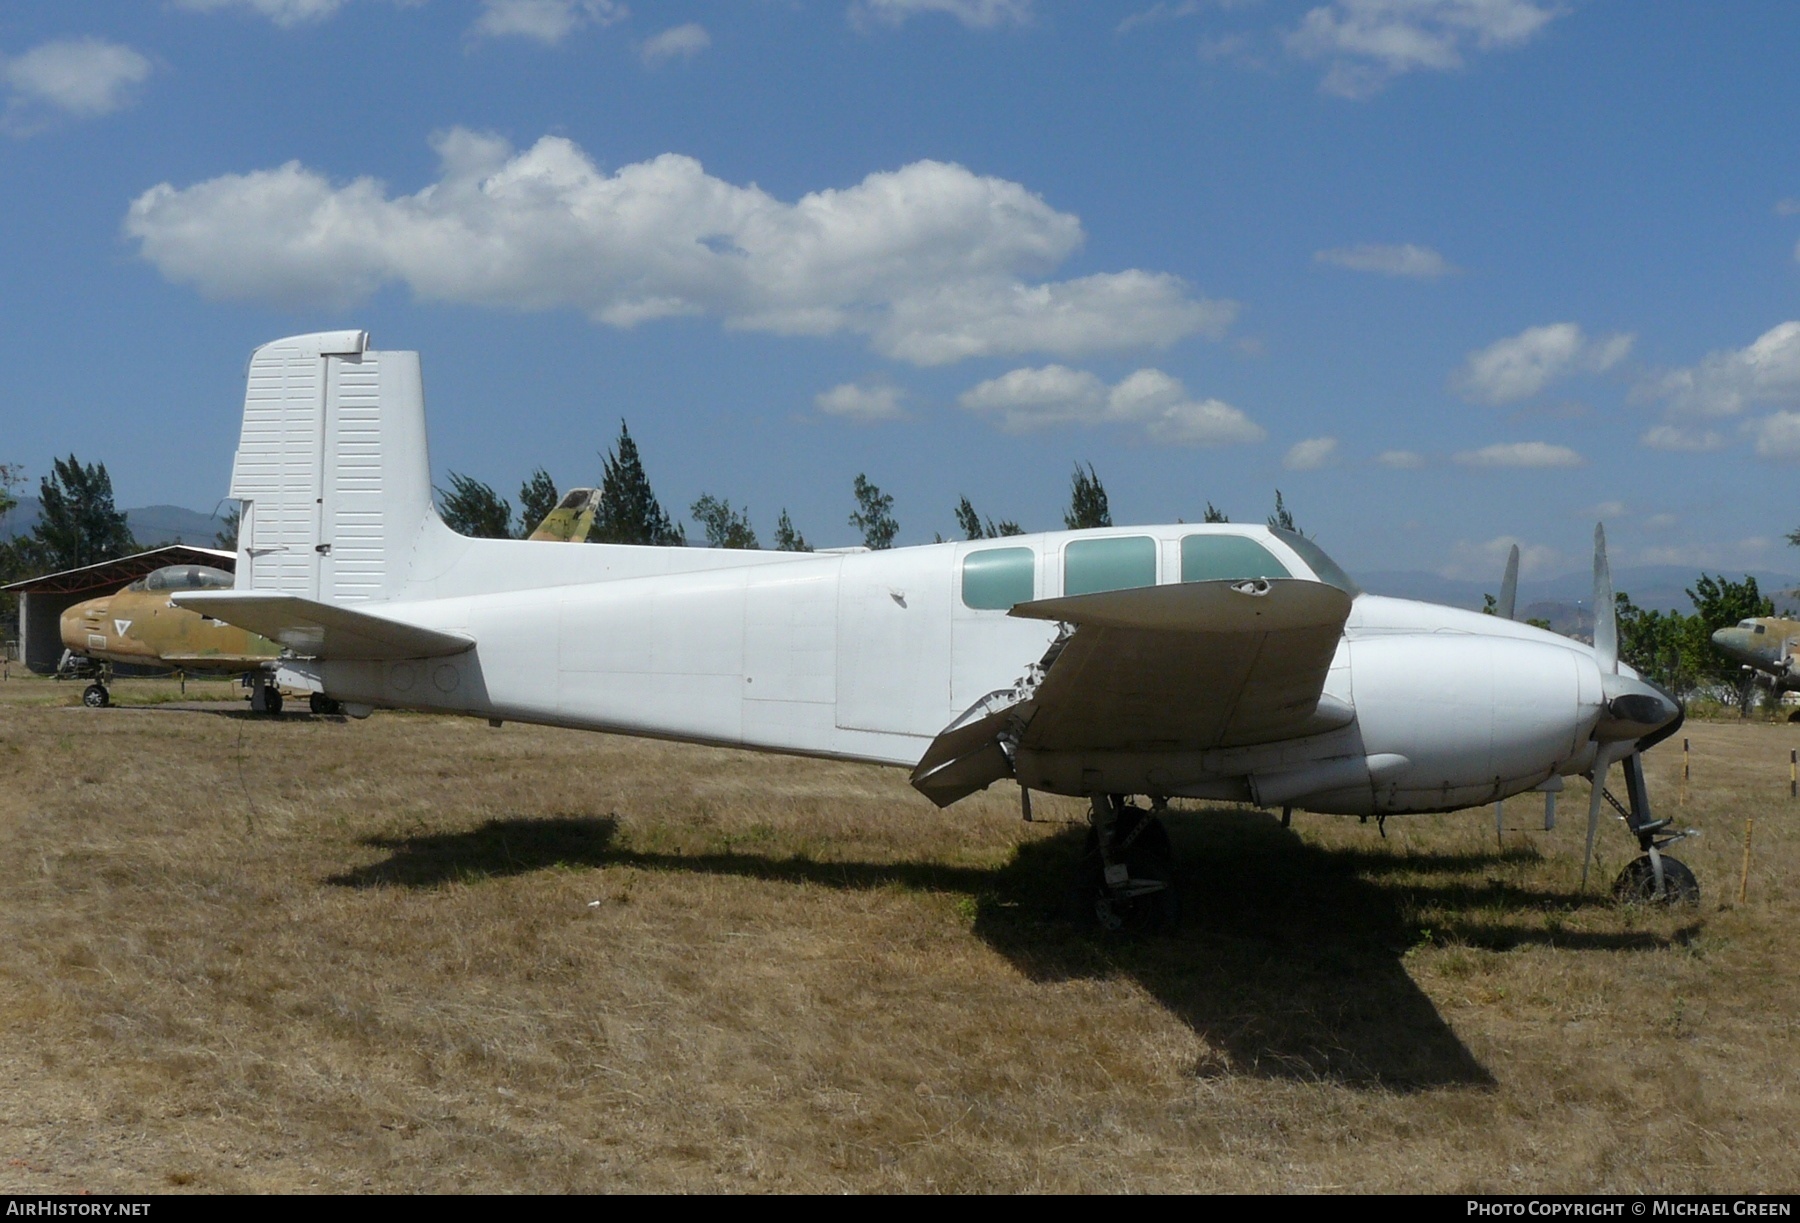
pixel 331 469
pixel 572 518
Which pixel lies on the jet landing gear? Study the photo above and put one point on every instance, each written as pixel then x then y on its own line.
pixel 95 696
pixel 1126 879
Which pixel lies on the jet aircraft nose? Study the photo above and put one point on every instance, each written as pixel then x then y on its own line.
pixel 1634 708
pixel 78 621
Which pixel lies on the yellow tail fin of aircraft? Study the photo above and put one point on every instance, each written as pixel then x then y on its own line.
pixel 572 518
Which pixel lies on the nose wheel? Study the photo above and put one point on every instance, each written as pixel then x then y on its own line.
pixel 95 696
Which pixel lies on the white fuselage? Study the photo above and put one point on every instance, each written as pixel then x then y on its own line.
pixel 869 655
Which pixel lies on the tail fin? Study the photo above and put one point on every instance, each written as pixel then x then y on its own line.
pixel 572 518
pixel 331 469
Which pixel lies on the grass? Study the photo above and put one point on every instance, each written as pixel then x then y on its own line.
pixel 420 954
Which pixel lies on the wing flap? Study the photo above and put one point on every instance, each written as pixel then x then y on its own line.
pixel 312 629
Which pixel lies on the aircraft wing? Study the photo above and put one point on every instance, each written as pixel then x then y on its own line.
pixel 1193 666
pixel 322 630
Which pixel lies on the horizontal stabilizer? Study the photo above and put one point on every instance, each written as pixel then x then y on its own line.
pixel 1257 606
pixel 312 629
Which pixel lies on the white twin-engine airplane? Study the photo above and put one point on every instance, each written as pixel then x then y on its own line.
pixel 1220 661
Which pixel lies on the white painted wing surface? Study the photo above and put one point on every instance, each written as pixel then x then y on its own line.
pixel 1193 666
pixel 312 629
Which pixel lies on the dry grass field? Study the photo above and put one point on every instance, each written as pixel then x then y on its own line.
pixel 420 954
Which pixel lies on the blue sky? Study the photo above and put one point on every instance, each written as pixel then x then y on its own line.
pixel 1450 273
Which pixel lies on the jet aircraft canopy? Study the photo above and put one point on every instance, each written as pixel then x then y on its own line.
pixel 184 577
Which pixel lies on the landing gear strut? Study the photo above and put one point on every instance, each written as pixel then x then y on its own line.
pixel 1126 879
pixel 1653 877
pixel 265 697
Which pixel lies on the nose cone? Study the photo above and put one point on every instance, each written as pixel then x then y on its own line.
pixel 1733 641
pixel 79 621
pixel 1635 709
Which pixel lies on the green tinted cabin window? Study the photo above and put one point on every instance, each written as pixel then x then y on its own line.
pixel 997 578
pixel 1227 558
pixel 1122 563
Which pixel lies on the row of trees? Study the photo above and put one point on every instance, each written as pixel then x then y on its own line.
pixel 629 512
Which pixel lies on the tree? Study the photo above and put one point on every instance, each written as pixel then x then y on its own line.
pixel 12 475
pixel 874 516
pixel 227 538
pixel 77 521
pixel 629 512
pixel 725 527
pixel 1087 501
pixel 973 527
pixel 786 538
pixel 1214 514
pixel 474 509
pixel 537 497
pixel 1282 519
pixel 1676 650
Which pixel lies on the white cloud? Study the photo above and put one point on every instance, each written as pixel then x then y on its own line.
pixel 1028 399
pixel 1607 510
pixel 547 21
pixel 1659 521
pixel 931 262
pixel 284 13
pixel 1418 262
pixel 1368 43
pixel 1474 562
pixel 1681 438
pixel 866 405
pixel 1520 366
pixel 1311 454
pixel 1157 13
pixel 1401 460
pixel 977 14
pixel 1788 207
pixel 677 42
pixel 1725 383
pixel 1520 454
pixel 83 78
pixel 1778 437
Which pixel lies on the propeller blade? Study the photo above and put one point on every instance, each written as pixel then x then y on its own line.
pixel 1509 586
pixel 1606 622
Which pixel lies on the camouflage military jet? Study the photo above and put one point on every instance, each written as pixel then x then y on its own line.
pixel 139 626
pixel 1766 643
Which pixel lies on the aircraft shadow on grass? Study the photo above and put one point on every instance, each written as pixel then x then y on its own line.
pixel 1288 958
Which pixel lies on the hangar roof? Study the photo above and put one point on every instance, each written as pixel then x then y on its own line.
pixel 110 575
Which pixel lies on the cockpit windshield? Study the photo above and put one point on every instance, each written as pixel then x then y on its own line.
pixel 1318 562
pixel 184 577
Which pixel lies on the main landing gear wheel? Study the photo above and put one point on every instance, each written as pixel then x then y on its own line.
pixel 1636 884
pixel 95 696
pixel 1131 887
pixel 323 705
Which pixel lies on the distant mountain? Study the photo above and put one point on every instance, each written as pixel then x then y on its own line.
pixel 150 525
pixel 1651 587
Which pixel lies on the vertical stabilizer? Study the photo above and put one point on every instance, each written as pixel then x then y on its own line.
pixel 331 469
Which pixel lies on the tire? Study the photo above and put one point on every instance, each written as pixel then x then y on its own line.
pixel 323 705
pixel 1636 884
pixel 95 696
pixel 272 701
pixel 1148 857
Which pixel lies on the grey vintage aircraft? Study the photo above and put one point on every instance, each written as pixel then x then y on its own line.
pixel 1222 661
